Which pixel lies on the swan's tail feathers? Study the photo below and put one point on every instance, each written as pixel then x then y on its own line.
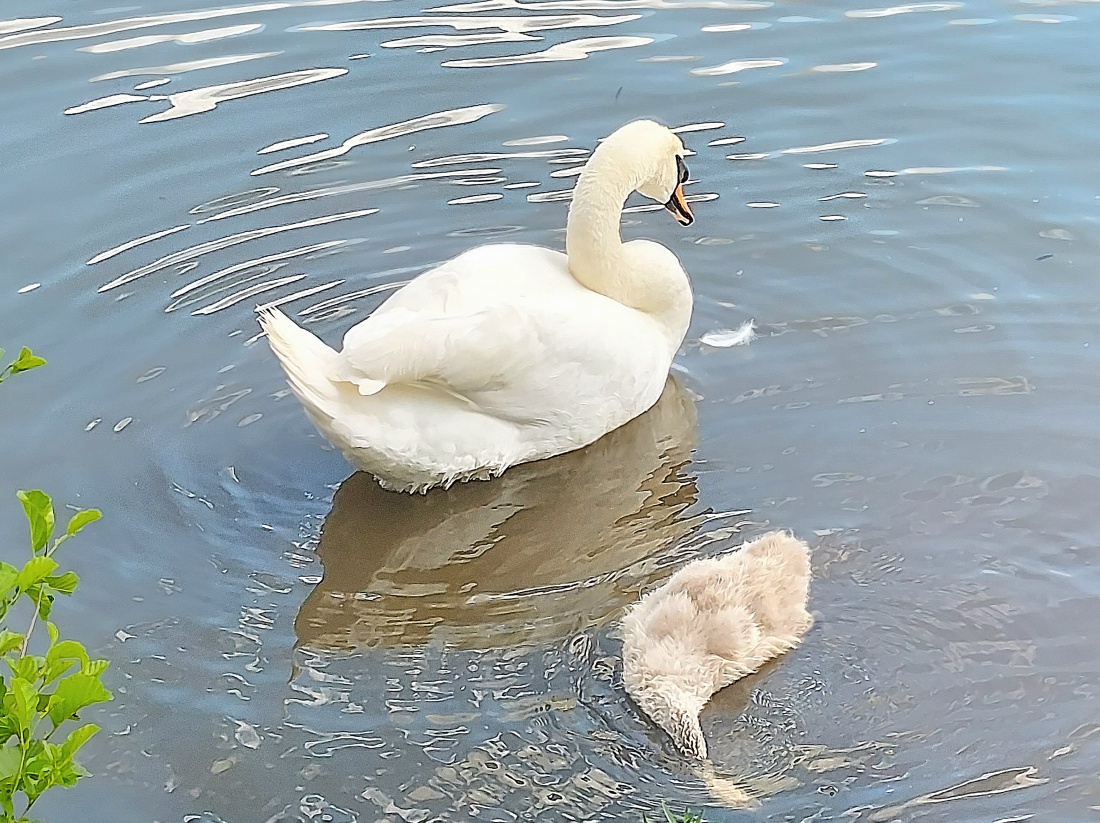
pixel 305 359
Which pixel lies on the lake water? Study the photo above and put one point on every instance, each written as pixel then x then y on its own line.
pixel 905 199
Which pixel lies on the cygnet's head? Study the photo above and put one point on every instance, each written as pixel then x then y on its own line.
pixel 677 712
pixel 687 733
pixel 660 158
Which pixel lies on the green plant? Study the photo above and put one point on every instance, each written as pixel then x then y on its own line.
pixel 686 817
pixel 41 694
pixel 26 361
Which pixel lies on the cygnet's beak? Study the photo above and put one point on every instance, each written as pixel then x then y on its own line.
pixel 678 205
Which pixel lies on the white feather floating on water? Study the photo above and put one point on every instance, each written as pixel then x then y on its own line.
pixel 724 338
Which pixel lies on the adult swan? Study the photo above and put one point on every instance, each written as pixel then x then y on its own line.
pixel 509 353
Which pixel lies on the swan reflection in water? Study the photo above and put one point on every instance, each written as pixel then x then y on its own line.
pixel 548 549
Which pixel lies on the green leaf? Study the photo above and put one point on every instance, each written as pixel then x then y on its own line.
pixel 36 757
pixel 73 693
pixel 11 758
pixel 37 769
pixel 24 702
pixel 43 600
pixel 81 519
pixel 8 573
pixel 24 667
pixel 67 650
pixel 36 570
pixel 61 657
pixel 39 509
pixel 26 361
pixel 95 667
pixel 9 640
pixel 63 583
pixel 77 738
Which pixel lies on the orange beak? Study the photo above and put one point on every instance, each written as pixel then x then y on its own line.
pixel 677 204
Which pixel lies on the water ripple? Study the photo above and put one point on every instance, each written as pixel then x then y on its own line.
pixel 293 142
pixel 475 198
pixel 840 144
pixel 536 141
pixel 91 30
pixel 189 39
pixel 834 68
pixel 182 68
pixel 259 261
pixel 109 253
pixel 438 42
pixel 1005 780
pixel 348 188
pixel 508 25
pixel 911 8
pixel 196 101
pixel 189 254
pixel 571 50
pixel 26 24
pixel 451 117
pixel 498 5
pixel 251 291
pixel 735 66
pixel 489 157
pixel 109 101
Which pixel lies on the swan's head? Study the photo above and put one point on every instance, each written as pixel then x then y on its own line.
pixel 657 156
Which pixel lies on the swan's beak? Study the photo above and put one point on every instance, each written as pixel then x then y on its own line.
pixel 678 205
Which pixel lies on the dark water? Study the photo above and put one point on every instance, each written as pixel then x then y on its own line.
pixel 907 204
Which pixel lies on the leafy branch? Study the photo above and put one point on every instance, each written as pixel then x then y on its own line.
pixel 41 695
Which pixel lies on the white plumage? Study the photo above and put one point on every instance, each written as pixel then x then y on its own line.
pixel 715 621
pixel 509 353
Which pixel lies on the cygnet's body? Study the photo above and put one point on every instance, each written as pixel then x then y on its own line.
pixel 715 621
pixel 509 353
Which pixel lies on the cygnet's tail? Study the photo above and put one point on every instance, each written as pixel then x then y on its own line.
pixel 306 360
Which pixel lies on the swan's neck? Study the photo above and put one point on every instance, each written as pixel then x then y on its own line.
pixel 640 274
pixel 592 240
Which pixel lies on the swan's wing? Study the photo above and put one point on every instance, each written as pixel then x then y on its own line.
pixel 477 278
pixel 531 361
pixel 464 352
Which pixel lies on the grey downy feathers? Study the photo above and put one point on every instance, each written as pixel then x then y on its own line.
pixel 713 622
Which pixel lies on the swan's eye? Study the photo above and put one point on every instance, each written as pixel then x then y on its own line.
pixel 681 170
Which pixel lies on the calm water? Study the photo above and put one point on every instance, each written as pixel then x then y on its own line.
pixel 906 201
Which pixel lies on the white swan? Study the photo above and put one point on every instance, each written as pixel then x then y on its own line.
pixel 509 353
pixel 715 621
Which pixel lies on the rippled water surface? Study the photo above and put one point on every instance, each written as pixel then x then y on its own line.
pixel 904 198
